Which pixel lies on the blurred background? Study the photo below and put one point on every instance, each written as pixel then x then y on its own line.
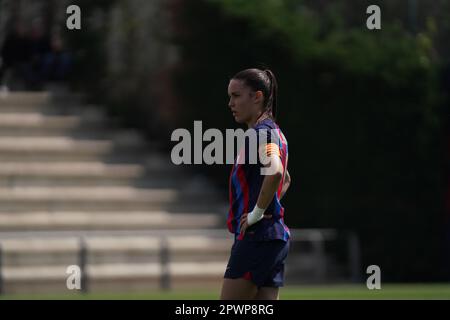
pixel 87 115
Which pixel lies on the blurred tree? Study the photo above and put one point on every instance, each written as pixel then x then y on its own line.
pixel 361 110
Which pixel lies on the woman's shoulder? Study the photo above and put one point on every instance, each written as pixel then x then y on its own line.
pixel 272 131
pixel 266 124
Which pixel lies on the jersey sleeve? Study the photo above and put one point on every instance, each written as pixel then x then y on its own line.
pixel 268 143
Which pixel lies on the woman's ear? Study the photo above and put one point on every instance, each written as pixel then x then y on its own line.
pixel 259 96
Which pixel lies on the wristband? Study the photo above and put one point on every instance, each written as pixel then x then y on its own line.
pixel 256 215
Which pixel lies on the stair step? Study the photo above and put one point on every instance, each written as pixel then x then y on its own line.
pixel 107 250
pixel 31 120
pixel 92 198
pixel 103 250
pixel 45 109
pixel 62 149
pixel 67 169
pixel 53 145
pixel 41 125
pixel 156 181
pixel 113 277
pixel 107 206
pixel 119 198
pixel 153 173
pixel 66 144
pixel 120 147
pixel 34 221
pixel 57 244
pixel 85 194
pixel 125 270
pixel 26 99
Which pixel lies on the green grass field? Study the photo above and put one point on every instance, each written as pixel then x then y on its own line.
pixel 387 291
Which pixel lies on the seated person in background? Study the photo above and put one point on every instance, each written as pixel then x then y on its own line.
pixel 58 62
pixel 38 48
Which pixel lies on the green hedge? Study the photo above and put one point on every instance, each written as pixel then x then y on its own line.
pixel 361 110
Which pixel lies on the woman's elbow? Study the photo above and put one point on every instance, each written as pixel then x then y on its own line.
pixel 275 175
pixel 278 175
pixel 288 180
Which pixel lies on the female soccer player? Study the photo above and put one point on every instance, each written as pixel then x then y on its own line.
pixel 255 269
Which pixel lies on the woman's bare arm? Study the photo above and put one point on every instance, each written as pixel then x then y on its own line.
pixel 286 184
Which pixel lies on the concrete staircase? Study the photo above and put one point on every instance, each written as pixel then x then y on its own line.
pixel 76 189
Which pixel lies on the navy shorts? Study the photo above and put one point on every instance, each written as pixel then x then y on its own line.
pixel 262 262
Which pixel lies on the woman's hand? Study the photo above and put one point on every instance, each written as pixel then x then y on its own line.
pixel 244 223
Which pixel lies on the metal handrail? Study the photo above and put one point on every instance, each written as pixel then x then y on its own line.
pixel 318 237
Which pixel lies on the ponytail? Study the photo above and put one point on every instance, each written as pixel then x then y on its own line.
pixel 272 101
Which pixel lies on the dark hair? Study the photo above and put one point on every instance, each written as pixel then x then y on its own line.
pixel 264 81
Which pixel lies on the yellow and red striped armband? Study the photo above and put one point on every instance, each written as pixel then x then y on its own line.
pixel 272 149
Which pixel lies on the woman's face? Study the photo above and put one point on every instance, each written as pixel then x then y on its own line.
pixel 245 104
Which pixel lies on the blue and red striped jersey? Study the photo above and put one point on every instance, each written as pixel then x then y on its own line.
pixel 245 184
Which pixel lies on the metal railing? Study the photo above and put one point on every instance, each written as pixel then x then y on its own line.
pixel 314 239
